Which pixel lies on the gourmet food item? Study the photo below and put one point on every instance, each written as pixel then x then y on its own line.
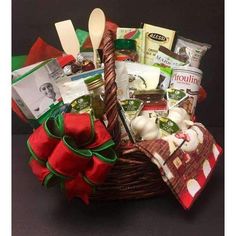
pixel 128 110
pixel 65 60
pixel 155 110
pixel 73 86
pixel 141 77
pixel 165 57
pixel 95 85
pixel 87 65
pixel 72 66
pixel 82 104
pixel 191 50
pixel 67 70
pixel 187 79
pixel 180 117
pixel 131 107
pixel 125 50
pixel 155 36
pixel 154 103
pixel 144 128
pixel 175 97
pixel 167 126
pixel 86 74
pixel 69 64
pixel 35 91
pixel 137 35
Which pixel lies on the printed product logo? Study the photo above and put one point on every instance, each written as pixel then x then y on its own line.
pixel 175 94
pixel 81 103
pixel 168 126
pixel 158 37
pixel 188 79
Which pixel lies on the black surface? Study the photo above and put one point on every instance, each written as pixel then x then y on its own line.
pixel 45 212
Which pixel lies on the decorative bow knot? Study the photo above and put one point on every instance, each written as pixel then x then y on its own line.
pixel 72 150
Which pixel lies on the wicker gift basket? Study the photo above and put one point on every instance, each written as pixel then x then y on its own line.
pixel 137 172
pixel 134 175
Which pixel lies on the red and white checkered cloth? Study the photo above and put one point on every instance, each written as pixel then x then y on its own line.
pixel 185 169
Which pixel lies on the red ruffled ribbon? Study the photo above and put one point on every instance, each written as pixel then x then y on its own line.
pixel 72 150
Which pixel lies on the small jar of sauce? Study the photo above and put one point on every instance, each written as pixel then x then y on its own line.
pixel 125 50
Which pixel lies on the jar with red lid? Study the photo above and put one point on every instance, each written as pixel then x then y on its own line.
pixel 125 50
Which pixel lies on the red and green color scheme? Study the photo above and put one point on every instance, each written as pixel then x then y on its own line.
pixel 132 34
pixel 74 151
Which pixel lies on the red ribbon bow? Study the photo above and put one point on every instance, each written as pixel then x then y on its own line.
pixel 74 151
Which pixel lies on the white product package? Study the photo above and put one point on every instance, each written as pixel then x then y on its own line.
pixel 141 76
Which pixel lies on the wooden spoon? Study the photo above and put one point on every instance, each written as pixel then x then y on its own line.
pixel 96 26
pixel 68 38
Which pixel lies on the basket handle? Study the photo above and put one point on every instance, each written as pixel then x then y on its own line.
pixel 111 104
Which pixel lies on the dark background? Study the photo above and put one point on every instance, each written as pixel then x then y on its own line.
pixel 37 211
pixel 201 20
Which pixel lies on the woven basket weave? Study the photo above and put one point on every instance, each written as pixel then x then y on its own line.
pixel 134 175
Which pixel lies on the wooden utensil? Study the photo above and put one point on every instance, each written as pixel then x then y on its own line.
pixel 68 38
pixel 96 26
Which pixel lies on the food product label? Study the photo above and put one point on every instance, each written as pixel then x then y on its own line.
pixel 162 59
pixel 187 79
pixel 131 107
pixel 155 36
pixel 167 126
pixel 137 35
pixel 81 104
pixel 174 97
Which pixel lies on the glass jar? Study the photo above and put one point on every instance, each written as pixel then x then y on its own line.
pixel 95 85
pixel 125 50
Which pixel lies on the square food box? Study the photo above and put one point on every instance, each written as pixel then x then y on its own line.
pixel 35 91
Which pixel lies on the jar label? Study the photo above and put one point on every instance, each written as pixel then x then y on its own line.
pixel 123 57
pixel 82 104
